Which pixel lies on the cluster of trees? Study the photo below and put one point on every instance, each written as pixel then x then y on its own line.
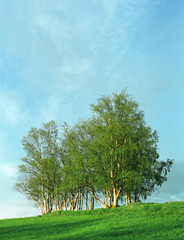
pixel 112 157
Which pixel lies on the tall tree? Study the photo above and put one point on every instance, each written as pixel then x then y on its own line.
pixel 111 156
pixel 125 149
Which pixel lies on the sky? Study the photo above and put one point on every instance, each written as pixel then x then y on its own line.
pixel 57 57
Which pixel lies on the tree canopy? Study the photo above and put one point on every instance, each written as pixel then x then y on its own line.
pixel 112 156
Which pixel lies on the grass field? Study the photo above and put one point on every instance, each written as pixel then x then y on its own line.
pixel 136 221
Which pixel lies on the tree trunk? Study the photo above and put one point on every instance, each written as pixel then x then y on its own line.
pixel 40 206
pixel 87 199
pixel 128 200
pixel 136 199
pixel 91 201
pixel 98 199
pixel 116 193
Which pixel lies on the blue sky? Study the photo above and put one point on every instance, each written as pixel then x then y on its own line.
pixel 57 57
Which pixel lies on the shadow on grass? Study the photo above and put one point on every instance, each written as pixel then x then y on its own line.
pixel 46 230
pixel 151 230
pixel 101 227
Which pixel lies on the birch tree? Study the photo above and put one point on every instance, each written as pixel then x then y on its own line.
pixel 111 156
pixel 40 169
pixel 126 150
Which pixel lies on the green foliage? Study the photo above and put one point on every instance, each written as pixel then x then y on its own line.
pixel 113 155
pixel 116 150
pixel 40 171
pixel 135 221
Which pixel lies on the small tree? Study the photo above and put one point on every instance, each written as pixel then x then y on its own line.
pixel 75 147
pixel 40 170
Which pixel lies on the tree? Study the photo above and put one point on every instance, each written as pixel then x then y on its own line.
pixel 40 171
pixel 125 150
pixel 75 144
pixel 113 155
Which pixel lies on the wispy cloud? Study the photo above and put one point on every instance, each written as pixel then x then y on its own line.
pixel 10 110
pixel 64 45
pixel 11 107
pixel 73 48
pixel 57 57
pixel 9 170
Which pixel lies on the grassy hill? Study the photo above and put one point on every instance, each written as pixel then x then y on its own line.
pixel 136 221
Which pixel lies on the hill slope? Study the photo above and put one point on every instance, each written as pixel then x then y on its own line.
pixel 136 221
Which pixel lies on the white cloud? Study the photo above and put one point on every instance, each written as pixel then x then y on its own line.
pixel 8 169
pixel 59 56
pixel 3 141
pixel 11 107
pixel 10 110
pixel 63 45
pixel 50 109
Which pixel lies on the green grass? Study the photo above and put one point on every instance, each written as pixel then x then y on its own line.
pixel 136 221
